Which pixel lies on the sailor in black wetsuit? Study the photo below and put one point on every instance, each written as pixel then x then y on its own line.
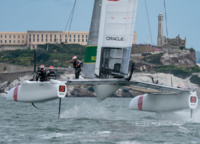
pixel 41 75
pixel 77 66
pixel 51 74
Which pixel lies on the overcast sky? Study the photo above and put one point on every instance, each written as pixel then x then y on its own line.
pixel 183 17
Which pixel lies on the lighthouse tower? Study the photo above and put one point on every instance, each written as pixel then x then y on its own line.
pixel 160 38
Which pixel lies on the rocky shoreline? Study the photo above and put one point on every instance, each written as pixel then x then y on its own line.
pixel 88 91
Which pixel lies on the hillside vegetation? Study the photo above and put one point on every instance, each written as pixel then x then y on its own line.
pixel 48 54
pixel 58 55
pixel 178 71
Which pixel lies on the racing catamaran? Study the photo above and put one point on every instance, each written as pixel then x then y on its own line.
pixel 106 66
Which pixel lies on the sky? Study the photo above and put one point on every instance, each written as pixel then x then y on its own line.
pixel 183 17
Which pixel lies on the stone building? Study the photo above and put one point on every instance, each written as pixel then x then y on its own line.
pixel 56 37
pixel 10 40
pixel 162 41
pixel 31 39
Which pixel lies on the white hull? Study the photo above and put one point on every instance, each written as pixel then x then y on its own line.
pixel 32 91
pixel 163 102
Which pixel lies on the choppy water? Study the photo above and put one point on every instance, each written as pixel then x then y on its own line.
pixel 84 120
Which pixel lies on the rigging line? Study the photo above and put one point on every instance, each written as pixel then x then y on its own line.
pixel 67 24
pixel 70 19
pixel 72 16
pixel 166 18
pixel 148 22
pixel 167 41
pixel 150 32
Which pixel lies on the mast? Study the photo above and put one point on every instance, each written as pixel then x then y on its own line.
pixel 90 56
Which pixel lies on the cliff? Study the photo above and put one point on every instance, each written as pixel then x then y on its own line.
pixel 181 57
pixel 160 56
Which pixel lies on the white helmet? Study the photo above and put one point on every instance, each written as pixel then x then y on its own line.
pixel 74 57
pixel 51 67
pixel 42 67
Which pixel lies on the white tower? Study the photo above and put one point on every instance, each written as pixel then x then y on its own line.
pixel 160 38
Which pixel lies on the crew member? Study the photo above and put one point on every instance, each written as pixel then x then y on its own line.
pixel 41 75
pixel 77 66
pixel 51 74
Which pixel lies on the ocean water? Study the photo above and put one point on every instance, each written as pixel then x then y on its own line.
pixel 87 121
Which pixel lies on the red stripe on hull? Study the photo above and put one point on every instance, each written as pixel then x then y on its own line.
pixel 113 0
pixel 140 101
pixel 15 93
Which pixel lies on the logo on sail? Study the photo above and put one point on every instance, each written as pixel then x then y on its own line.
pixel 115 38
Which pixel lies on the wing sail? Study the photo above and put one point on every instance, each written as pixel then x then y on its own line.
pixel 115 37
